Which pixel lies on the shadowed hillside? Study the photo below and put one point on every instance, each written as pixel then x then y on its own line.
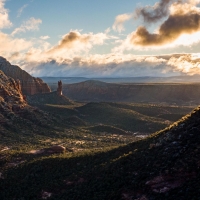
pixel 142 118
pixel 162 166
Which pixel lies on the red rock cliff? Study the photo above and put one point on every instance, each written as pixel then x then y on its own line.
pixel 11 97
pixel 29 85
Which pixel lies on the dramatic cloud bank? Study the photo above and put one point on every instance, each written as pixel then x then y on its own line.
pixel 112 65
pixel 183 18
pixel 169 31
pixel 74 55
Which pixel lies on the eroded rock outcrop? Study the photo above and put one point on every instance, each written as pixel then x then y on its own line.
pixel 16 116
pixel 55 97
pixel 59 89
pixel 29 85
pixel 11 98
pixel 10 90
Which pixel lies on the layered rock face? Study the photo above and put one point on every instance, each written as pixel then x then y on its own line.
pixel 10 90
pixel 16 116
pixel 11 98
pixel 29 85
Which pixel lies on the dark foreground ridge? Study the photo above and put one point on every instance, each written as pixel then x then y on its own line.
pixel 163 166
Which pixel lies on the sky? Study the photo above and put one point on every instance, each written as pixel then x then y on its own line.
pixel 121 38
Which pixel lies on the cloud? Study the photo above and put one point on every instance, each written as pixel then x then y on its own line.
pixel 185 8
pixel 9 45
pixel 188 63
pixel 18 50
pixel 30 25
pixel 45 37
pixel 150 14
pixel 75 42
pixel 69 40
pixel 107 30
pixel 180 28
pixel 4 18
pixel 72 55
pixel 154 13
pixel 15 48
pixel 117 65
pixel 119 22
pixel 169 31
pixel 19 12
pixel 101 66
pixel 159 10
pixel 14 56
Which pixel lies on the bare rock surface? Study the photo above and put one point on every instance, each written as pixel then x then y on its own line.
pixel 29 85
pixel 11 100
pixel 15 113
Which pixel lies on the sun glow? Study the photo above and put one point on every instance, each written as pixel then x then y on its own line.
pixel 188 39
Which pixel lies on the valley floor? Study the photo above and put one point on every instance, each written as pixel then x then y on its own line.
pixel 110 154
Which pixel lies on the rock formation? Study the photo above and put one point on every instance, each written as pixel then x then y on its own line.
pixel 11 98
pixel 10 90
pixel 59 89
pixel 56 98
pixel 29 85
pixel 16 116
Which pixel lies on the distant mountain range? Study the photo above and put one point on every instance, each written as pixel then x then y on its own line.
pixel 145 79
pixel 167 93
